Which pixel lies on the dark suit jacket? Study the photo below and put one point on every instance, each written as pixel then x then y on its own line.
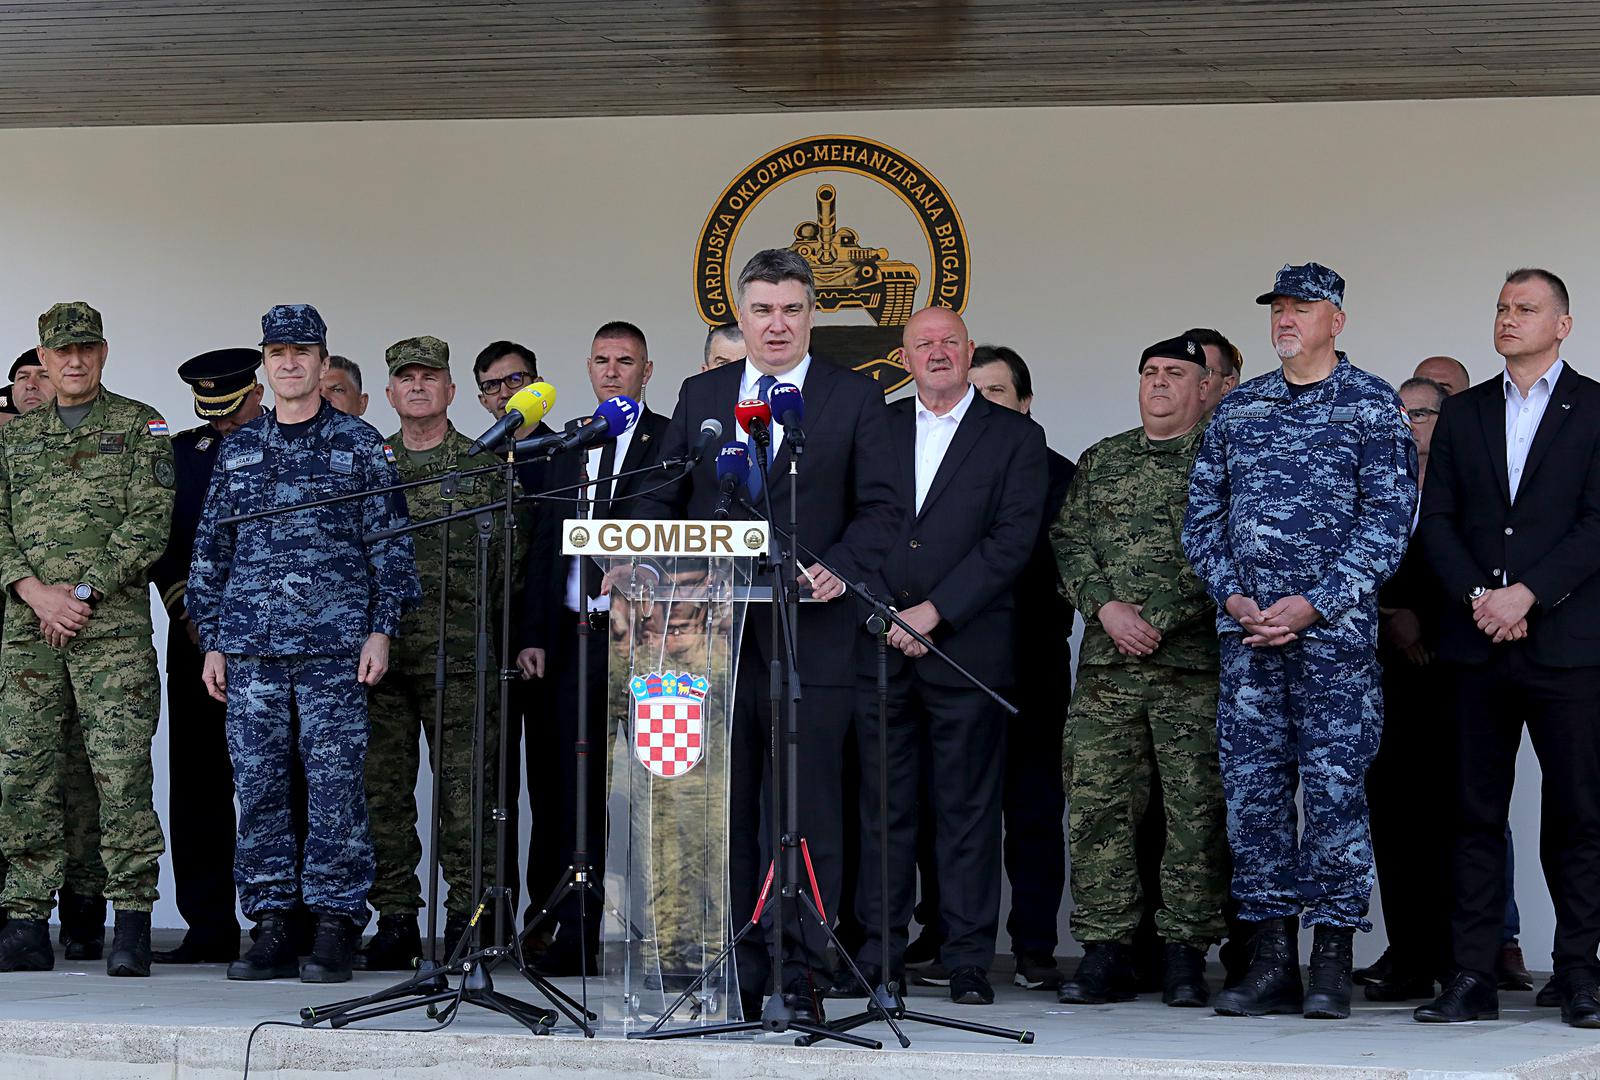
pixel 1549 540
pixel 1044 617
pixel 966 549
pixel 846 507
pixel 545 586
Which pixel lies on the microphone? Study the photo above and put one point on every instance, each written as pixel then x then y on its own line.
pixel 733 473
pixel 710 432
pixel 526 408
pixel 611 419
pixel 789 408
pixel 755 416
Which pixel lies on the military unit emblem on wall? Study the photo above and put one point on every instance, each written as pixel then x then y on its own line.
pixel 669 734
pixel 850 273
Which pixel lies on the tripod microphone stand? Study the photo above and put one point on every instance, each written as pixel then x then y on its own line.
pixel 471 958
pixel 887 1001
pixel 787 846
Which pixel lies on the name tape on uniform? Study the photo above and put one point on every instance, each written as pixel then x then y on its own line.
pixel 664 538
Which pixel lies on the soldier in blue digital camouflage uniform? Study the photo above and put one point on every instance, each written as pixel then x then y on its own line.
pixel 1300 505
pixel 298 609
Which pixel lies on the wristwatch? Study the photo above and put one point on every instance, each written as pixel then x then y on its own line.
pixel 1476 592
pixel 83 591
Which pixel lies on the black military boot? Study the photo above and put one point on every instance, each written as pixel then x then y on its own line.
pixel 272 954
pixel 1328 996
pixel 1105 973
pixel 397 946
pixel 83 925
pixel 1272 984
pixel 1183 983
pixel 25 946
pixel 331 951
pixel 130 945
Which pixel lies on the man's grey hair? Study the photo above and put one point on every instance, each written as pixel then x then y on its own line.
pixel 728 332
pixel 1417 382
pixel 344 363
pixel 775 266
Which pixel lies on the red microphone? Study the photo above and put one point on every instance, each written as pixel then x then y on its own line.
pixel 755 416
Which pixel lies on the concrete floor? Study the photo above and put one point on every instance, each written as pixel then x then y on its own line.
pixel 190 1023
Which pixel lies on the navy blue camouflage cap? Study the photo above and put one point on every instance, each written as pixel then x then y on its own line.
pixel 1178 348
pixel 1308 281
pixel 293 324
pixel 220 380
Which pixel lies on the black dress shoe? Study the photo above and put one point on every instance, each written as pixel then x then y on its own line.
pixel 1549 995
pixel 1468 997
pixel 970 986
pixel 1377 971
pixel 845 984
pixel 1399 986
pixel 1580 1002
pixel 218 948
pixel 1511 970
pixel 806 1002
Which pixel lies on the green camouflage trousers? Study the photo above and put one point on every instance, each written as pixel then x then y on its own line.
pixel 85 873
pixel 1129 723
pixel 110 686
pixel 399 708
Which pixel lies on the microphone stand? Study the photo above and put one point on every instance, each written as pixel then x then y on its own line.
pixel 887 1001
pixel 471 958
pixel 786 844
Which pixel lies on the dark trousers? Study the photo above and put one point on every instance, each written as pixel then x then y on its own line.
pixel 547 760
pixel 1408 793
pixel 201 827
pixel 962 733
pixel 1558 705
pixel 824 721
pixel 560 741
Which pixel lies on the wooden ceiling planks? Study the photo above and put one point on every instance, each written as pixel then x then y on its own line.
pixel 116 62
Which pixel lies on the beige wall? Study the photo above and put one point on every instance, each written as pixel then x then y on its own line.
pixel 1093 233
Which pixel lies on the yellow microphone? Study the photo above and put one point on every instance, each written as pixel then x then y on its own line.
pixel 526 408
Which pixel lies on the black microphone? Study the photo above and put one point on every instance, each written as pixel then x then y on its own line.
pixel 733 472
pixel 710 432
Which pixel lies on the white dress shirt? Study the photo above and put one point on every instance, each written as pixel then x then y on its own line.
pixel 591 466
pixel 1522 420
pixel 747 389
pixel 934 434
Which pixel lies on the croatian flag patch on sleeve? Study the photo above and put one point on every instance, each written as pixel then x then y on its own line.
pixel 158 427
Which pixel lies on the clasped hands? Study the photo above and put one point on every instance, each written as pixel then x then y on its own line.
pixel 1502 614
pixel 1279 624
pixel 61 615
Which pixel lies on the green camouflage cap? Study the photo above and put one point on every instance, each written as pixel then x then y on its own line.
pixel 425 350
pixel 71 323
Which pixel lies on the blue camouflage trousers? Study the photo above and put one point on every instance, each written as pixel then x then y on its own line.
pixel 332 708
pixel 1305 715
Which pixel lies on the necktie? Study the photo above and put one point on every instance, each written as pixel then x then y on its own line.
pixel 764 387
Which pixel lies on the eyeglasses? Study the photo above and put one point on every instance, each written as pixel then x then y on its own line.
pixel 513 381
pixel 1422 414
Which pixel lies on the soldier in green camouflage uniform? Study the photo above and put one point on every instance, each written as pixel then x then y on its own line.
pixel 420 390
pixel 1145 704
pixel 82 900
pixel 85 505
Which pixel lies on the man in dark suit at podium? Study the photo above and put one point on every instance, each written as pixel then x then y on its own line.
pixel 1511 526
pixel 968 477
pixel 847 515
pixel 618 364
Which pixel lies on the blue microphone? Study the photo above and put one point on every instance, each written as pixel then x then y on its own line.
pixel 611 419
pixel 789 409
pixel 733 473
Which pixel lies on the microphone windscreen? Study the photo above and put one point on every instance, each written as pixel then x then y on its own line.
pixel 544 399
pixel 786 399
pixel 620 413
pixel 733 460
pixel 751 409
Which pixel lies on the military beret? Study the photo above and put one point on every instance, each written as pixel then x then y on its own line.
pixel 1308 281
pixel 425 350
pixel 220 380
pixel 293 324
pixel 29 358
pixel 71 323
pixel 1178 348
pixel 7 403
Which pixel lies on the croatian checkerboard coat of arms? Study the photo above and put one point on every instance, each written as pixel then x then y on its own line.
pixel 669 729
